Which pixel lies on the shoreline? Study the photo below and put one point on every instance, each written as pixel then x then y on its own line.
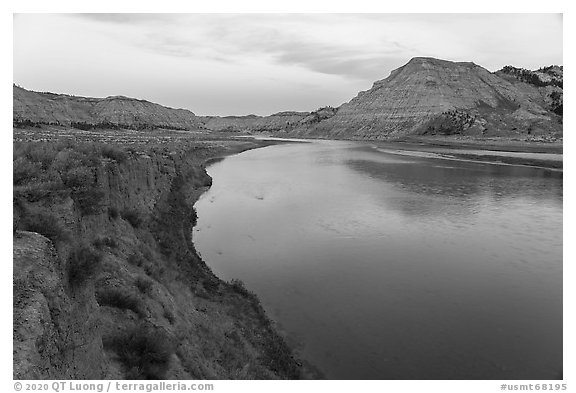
pixel 548 156
pixel 538 163
pixel 256 313
pixel 307 369
pixel 150 281
pixel 494 144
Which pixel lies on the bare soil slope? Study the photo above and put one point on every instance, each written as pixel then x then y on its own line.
pixel 429 96
pixel 32 108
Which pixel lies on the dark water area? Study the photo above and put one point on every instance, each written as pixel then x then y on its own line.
pixel 385 266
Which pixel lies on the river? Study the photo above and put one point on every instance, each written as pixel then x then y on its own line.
pixel 379 265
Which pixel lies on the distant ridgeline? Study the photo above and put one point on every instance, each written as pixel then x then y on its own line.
pixel 281 122
pixel 115 112
pixel 430 97
pixel 426 96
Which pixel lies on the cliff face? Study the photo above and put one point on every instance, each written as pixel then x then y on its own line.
pixel 55 333
pixel 111 286
pixel 431 96
pixel 115 111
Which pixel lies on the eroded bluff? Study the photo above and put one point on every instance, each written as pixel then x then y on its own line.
pixel 118 291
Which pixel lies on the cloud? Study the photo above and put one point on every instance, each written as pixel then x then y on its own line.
pixel 261 63
pixel 309 42
pixel 337 60
pixel 124 18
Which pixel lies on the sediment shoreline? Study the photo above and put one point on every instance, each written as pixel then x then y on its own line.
pixel 537 155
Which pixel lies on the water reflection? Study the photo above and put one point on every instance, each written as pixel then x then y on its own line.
pixel 459 188
pixel 384 266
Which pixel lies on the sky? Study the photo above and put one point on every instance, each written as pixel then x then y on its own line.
pixel 239 64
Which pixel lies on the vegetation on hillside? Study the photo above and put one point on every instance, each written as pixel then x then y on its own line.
pixel 543 77
pixel 450 123
pixel 130 259
pixel 45 172
pixel 106 125
pixel 557 103
pixel 532 77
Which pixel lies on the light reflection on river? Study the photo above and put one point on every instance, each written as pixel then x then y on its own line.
pixel 383 266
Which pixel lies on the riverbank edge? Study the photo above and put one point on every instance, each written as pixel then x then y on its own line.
pixel 467 143
pixel 495 145
pixel 282 358
pixel 460 146
pixel 241 342
pixel 307 370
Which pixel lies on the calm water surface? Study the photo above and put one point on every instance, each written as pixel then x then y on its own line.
pixel 386 266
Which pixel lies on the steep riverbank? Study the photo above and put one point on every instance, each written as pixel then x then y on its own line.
pixel 107 282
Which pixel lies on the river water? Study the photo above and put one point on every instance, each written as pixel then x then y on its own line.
pixel 378 265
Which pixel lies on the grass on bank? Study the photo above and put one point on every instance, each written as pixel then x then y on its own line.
pixel 144 351
pixel 47 172
pixel 47 175
pixel 120 298
pixel 83 263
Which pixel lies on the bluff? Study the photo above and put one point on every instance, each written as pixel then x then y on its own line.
pixel 107 283
pixel 35 108
pixel 429 96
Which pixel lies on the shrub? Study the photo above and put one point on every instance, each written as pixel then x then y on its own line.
pixel 144 351
pixel 115 297
pixel 169 315
pixel 40 190
pixel 136 259
pixel 89 201
pixel 83 263
pixel 113 212
pixel 211 285
pixel 143 284
pixel 104 241
pixel 146 252
pixel 44 223
pixel 154 271
pixel 65 160
pixel 132 216
pixel 76 156
pixel 15 221
pixel 279 357
pixel 24 171
pixel 88 154
pixel 42 153
pixel 81 125
pixel 559 110
pixel 78 177
pixel 114 153
pixel 240 288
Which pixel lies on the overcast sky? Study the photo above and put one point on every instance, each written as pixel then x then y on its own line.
pixel 237 64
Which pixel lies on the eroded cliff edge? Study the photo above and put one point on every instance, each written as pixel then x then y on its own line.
pixel 107 283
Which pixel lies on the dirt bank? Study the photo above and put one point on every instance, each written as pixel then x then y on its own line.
pixel 107 283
